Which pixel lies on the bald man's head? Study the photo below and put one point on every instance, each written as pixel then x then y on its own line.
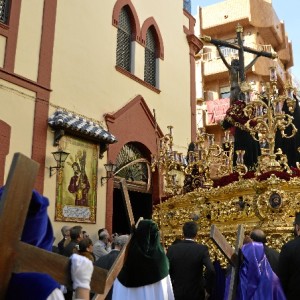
pixel 257 235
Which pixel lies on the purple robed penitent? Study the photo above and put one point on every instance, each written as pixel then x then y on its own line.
pixel 37 231
pixel 256 280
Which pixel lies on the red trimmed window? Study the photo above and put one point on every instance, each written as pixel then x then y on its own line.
pixel 150 57
pixel 124 38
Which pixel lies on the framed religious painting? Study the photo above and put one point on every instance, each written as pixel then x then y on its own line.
pixel 76 188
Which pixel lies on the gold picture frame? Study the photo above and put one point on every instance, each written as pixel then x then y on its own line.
pixel 76 187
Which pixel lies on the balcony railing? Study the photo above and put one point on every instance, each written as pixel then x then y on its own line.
pixel 228 52
pixel 213 64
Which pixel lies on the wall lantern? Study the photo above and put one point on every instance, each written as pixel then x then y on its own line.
pixel 110 169
pixel 60 158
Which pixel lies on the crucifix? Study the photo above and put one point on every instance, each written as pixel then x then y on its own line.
pixel 237 67
pixel 232 255
pixel 17 256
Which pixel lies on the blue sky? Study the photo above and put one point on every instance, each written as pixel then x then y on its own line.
pixel 286 10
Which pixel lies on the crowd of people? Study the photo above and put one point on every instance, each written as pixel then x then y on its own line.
pixel 183 271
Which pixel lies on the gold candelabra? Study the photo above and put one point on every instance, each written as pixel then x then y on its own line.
pixel 200 159
pixel 196 167
pixel 266 118
pixel 240 167
pixel 226 162
pixel 167 161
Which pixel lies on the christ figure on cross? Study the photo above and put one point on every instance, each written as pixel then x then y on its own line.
pixel 235 117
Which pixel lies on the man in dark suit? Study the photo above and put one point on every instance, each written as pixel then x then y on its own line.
pixel 76 236
pixel 187 259
pixel 65 231
pixel 257 235
pixel 289 264
pixel 72 247
pixel 106 261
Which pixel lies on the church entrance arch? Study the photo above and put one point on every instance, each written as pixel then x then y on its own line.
pixel 133 164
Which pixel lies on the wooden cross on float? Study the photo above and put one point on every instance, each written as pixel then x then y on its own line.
pixel 232 255
pixel 17 256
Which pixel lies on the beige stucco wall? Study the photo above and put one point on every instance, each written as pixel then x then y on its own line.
pixel 84 61
pixel 18 113
pixel 225 12
pixel 29 37
pixel 82 52
pixel 84 79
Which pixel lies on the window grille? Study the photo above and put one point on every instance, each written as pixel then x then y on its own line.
pixel 4 11
pixel 124 41
pixel 150 59
pixel 131 164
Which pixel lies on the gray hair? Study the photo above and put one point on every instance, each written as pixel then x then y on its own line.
pixel 64 230
pixel 121 240
pixel 103 235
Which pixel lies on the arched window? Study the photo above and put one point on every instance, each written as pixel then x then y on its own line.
pixel 124 40
pixel 132 165
pixel 150 57
pixel 4 11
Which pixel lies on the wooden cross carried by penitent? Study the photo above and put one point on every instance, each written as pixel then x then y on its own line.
pixel 17 256
pixel 117 266
pixel 232 255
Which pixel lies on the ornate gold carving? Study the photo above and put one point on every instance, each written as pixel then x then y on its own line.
pixel 266 118
pixel 266 201
pixel 249 202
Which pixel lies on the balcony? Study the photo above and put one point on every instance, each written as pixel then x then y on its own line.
pixel 222 18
